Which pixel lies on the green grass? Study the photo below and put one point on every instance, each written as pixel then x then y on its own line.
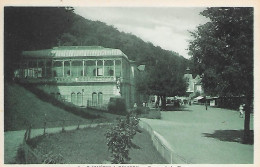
pixel 22 108
pixel 88 146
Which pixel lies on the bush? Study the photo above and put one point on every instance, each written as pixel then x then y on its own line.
pixel 119 139
pixel 117 105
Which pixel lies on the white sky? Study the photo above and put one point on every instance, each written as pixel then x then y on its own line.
pixel 166 27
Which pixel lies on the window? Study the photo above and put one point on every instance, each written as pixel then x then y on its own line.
pixel 99 71
pixel 100 98
pixel 79 98
pixel 73 98
pixel 94 98
pixel 111 72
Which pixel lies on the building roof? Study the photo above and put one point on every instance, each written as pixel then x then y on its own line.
pixel 74 51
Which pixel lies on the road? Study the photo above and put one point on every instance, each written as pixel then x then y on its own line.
pixel 203 136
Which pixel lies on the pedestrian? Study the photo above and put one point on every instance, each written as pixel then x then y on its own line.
pixel 206 104
pixel 241 111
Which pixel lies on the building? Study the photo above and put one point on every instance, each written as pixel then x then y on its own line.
pixel 194 84
pixel 82 75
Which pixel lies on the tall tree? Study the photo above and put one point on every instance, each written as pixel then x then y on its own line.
pixel 163 77
pixel 222 50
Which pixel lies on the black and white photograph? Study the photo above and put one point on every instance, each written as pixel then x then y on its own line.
pixel 130 85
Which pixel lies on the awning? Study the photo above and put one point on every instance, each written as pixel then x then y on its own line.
pixel 199 97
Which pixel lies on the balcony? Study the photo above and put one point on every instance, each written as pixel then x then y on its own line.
pixel 69 79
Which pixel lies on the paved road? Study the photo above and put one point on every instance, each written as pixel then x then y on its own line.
pixel 205 137
pixel 13 139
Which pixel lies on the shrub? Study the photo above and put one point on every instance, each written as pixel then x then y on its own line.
pixel 119 139
pixel 117 105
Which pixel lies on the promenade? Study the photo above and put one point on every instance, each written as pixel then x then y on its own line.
pixel 203 136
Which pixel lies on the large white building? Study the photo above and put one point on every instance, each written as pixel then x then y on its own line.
pixel 82 75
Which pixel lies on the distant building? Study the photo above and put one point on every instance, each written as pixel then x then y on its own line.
pixel 82 75
pixel 194 84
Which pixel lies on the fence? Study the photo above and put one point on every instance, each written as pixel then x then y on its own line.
pixel 163 147
pixel 32 157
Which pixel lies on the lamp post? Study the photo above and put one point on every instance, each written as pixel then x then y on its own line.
pixel 82 96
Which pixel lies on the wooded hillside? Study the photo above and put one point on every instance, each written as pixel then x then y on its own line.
pixel 31 28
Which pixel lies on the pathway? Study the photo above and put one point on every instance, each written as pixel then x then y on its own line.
pixel 205 136
pixel 13 139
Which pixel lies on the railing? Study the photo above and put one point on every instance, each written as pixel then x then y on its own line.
pixel 163 147
pixel 86 79
pixel 69 79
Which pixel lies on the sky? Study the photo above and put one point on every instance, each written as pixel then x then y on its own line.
pixel 167 27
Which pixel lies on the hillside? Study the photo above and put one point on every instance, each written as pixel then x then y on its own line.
pixel 22 108
pixel 47 27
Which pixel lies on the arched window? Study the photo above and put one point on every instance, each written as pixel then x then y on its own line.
pixel 79 98
pixel 100 98
pixel 73 98
pixel 94 99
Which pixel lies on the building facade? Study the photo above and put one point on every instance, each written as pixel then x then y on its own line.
pixel 82 75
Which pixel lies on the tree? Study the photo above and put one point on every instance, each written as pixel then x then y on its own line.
pixel 163 78
pixel 222 50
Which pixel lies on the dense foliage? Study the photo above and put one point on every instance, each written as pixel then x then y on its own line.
pixel 119 139
pixel 222 50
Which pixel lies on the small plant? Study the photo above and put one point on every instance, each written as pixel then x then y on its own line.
pixel 119 139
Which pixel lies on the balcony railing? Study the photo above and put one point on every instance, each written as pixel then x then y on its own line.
pixel 69 79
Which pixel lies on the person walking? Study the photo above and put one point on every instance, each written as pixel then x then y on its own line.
pixel 241 110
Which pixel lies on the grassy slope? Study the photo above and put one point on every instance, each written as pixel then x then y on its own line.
pixel 22 108
pixel 88 146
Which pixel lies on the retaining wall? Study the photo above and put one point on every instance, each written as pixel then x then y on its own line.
pixel 162 146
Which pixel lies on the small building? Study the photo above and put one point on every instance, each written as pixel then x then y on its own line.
pixel 82 75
